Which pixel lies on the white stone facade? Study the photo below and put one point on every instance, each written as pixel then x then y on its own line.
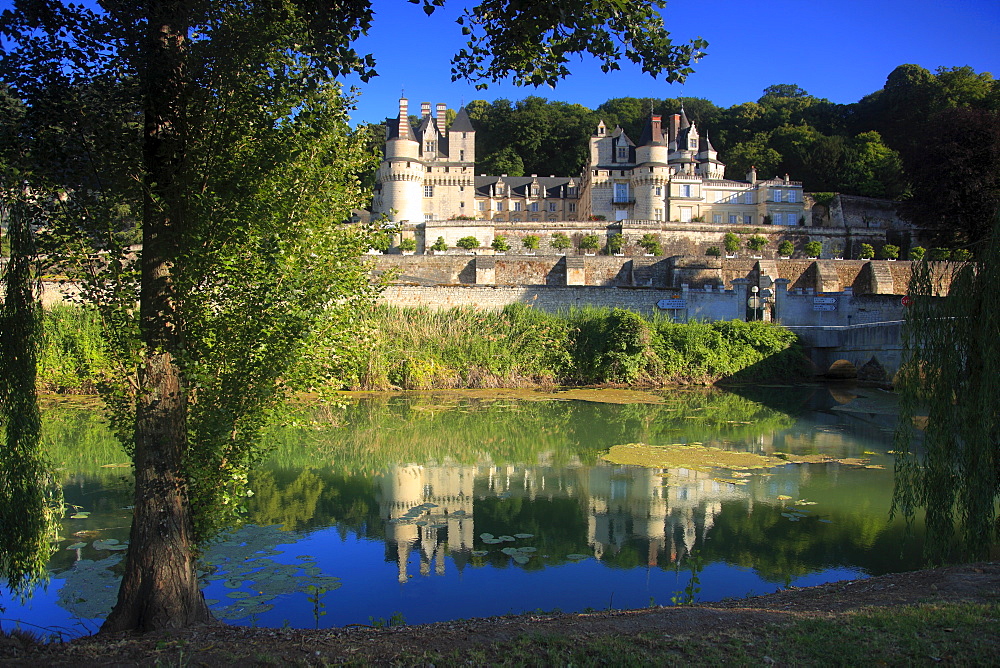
pixel 671 174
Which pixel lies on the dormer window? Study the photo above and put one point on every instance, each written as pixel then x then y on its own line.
pixel 692 143
pixel 430 146
pixel 534 191
pixel 622 153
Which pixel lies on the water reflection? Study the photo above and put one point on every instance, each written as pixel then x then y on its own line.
pixel 419 498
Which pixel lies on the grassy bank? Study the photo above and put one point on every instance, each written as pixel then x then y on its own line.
pixel 517 346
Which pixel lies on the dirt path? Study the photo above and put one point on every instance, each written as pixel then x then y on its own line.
pixel 222 645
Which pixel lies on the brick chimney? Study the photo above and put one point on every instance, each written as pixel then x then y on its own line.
pixel 675 126
pixel 425 109
pixel 442 114
pixel 404 119
pixel 656 120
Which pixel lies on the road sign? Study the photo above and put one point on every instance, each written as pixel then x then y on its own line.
pixel 825 300
pixel 907 300
pixel 672 303
pixel 824 307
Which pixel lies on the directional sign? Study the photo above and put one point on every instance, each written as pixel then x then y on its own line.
pixel 824 307
pixel 824 300
pixel 672 303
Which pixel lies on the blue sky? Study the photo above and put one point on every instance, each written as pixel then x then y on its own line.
pixel 837 50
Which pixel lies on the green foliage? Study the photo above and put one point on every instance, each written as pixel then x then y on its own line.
pixel 939 254
pixel 731 242
pixel 824 198
pixel 560 241
pixel 616 242
pixel 468 243
pixel 814 248
pixel 949 376
pixel 611 347
pixel 687 595
pixel 73 359
pixel 590 242
pixel 530 242
pixel 713 251
pixel 395 620
pixel 756 243
pixel 30 499
pixel 650 243
pixel 381 240
pixel 867 252
pixel 786 248
pixel 961 255
pixel 439 246
pixel 315 596
pixel 889 252
pixel 917 253
pixel 408 245
pixel 499 244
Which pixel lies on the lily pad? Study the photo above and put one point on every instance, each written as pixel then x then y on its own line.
pixel 492 541
pixel 479 553
pixel 508 539
pixel 524 535
pixel 484 536
pixel 577 557
pixel 521 559
pixel 238 594
pixel 80 516
pixel 527 550
pixel 76 546
pixel 510 551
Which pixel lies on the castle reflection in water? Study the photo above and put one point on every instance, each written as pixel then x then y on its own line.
pixel 430 508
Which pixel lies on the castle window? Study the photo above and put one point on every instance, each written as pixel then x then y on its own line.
pixel 685 190
pixel 791 196
pixel 572 192
pixel 534 191
pixel 692 143
pixel 733 218
pixel 461 189
pixel 658 214
pixel 461 205
pixel 776 195
pixel 572 206
pixel 446 170
pixel 429 146
pixel 499 206
pixel 534 206
pixel 461 154
pixel 428 191
pixel 552 206
pixel 517 206
pixel 659 191
pixel 748 197
pixel 717 218
pixel 748 219
pixel 622 153
pixel 482 206
pixel 428 216
pixel 465 135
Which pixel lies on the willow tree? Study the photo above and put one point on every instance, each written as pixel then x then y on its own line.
pixel 953 472
pixel 228 149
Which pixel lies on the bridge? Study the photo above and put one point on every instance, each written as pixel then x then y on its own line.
pixel 840 351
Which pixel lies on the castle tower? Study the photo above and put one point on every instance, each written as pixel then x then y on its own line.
pixel 399 179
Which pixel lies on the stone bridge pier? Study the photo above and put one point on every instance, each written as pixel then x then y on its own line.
pixel 843 351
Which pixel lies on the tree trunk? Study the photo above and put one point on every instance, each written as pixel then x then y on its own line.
pixel 160 585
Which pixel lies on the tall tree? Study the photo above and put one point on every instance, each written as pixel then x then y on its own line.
pixel 246 165
pixel 953 473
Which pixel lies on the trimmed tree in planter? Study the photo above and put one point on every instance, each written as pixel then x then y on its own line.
pixel 756 243
pixel 560 241
pixel 530 242
pixel 814 248
pixel 468 243
pixel 590 243
pixel 650 243
pixel 786 248
pixel 961 255
pixel 616 243
pixel 917 253
pixel 939 254
pixel 867 252
pixel 408 245
pixel 500 244
pixel 713 251
pixel 439 246
pixel 889 252
pixel 731 243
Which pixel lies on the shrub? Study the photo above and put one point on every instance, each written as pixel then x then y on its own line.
pixel 917 253
pixel 560 241
pixel 590 242
pixel 408 245
pixel 889 252
pixel 439 246
pixel 756 243
pixel 651 243
pixel 939 254
pixel 381 241
pixel 468 243
pixel 713 251
pixel 596 218
pixel 814 248
pixel 961 255
pixel 616 243
pixel 530 242
pixel 867 252
pixel 786 248
pixel 731 243
pixel 500 244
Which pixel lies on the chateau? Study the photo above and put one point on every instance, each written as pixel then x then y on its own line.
pixel 672 173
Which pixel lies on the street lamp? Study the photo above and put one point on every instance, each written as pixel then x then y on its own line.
pixel 754 302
